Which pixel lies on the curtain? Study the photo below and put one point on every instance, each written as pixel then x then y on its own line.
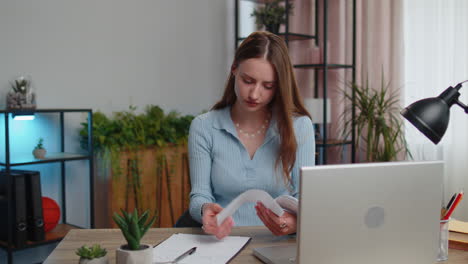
pixel 379 51
pixel 420 46
pixel 436 41
pixel 380 46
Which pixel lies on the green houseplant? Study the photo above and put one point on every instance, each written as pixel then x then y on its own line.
pixel 134 227
pixel 271 15
pixel 94 254
pixel 377 122
pixel 118 141
pixel 21 95
pixel 39 151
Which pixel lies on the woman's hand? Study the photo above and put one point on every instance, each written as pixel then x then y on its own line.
pixel 278 225
pixel 210 225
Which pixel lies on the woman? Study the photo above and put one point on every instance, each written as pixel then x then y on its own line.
pixel 256 137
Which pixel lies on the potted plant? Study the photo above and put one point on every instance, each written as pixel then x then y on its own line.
pixel 271 15
pixel 123 141
pixel 39 151
pixel 92 255
pixel 134 227
pixel 377 121
pixel 21 96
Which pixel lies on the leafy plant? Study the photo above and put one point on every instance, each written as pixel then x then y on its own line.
pixel 127 131
pixel 21 85
pixel 133 226
pixel 271 15
pixel 40 144
pixel 377 122
pixel 92 252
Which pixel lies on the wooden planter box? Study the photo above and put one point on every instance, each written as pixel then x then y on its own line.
pixel 158 181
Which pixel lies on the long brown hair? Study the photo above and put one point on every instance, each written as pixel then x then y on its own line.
pixel 286 102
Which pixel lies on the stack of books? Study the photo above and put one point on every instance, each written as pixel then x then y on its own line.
pixel 458 237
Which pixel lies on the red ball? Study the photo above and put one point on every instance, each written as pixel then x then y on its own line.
pixel 51 213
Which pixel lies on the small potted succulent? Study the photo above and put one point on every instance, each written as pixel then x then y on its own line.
pixel 271 15
pixel 134 227
pixel 92 255
pixel 39 151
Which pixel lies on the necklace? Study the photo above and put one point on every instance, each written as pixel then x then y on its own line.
pixel 254 134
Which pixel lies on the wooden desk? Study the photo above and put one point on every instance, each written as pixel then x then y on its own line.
pixel 112 239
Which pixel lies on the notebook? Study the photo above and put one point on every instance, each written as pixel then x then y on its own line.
pixel 209 248
pixel 371 213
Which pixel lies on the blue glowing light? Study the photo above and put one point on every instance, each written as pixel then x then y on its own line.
pixel 23 117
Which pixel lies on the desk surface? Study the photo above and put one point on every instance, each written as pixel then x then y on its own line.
pixel 112 239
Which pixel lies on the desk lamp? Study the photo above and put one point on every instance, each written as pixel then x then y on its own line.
pixel 431 115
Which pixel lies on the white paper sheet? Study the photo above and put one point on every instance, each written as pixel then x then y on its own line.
pixel 252 195
pixel 288 202
pixel 210 250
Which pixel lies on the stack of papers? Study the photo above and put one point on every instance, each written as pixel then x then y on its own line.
pixel 209 248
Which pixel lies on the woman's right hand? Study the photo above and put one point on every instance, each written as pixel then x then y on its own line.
pixel 210 225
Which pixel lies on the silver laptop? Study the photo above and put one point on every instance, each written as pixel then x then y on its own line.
pixel 366 213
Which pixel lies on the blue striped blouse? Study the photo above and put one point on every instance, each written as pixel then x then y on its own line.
pixel 221 168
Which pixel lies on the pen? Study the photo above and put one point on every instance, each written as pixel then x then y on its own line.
pixel 453 205
pixel 451 201
pixel 444 209
pixel 188 252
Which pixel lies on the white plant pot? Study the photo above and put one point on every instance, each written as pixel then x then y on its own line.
pixel 142 256
pixel 39 153
pixel 101 260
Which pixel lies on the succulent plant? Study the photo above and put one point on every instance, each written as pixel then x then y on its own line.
pixel 40 144
pixel 133 226
pixel 21 85
pixel 92 252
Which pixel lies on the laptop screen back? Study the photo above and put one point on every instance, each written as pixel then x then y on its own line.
pixel 370 213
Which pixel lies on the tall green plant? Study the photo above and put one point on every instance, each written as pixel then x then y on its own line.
pixel 129 131
pixel 377 122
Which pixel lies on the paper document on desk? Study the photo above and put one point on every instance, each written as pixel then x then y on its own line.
pixel 210 250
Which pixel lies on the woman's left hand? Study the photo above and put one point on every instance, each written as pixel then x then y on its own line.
pixel 278 225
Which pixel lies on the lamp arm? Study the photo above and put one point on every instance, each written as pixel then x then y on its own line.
pixel 459 85
pixel 465 107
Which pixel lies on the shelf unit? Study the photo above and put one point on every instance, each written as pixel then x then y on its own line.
pixel 325 142
pixel 61 157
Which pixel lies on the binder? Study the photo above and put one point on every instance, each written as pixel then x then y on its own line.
pixel 35 219
pixel 19 221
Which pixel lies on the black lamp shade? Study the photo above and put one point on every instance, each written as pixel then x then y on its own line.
pixel 431 116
